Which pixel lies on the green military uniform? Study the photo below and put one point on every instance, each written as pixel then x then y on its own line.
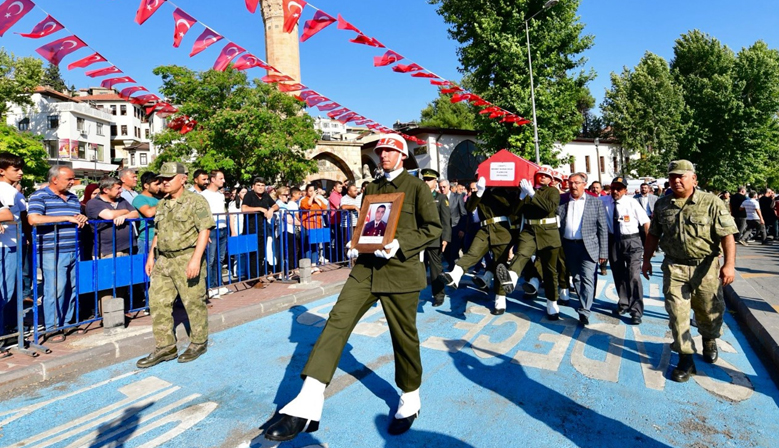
pixel 689 231
pixel 395 282
pixel 178 223
pixel 433 257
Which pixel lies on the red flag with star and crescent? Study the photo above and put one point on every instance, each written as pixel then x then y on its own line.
pixel 110 82
pixel 125 93
pixel 292 11
pixel 205 40
pixel 45 27
pixel 229 52
pixel 390 57
pixel 146 9
pixel 183 24
pixel 55 51
pixel 248 60
pixel 11 11
pixel 87 61
pixel 320 21
pixel 103 71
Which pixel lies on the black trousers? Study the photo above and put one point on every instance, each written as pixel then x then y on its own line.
pixel 625 257
pixel 434 262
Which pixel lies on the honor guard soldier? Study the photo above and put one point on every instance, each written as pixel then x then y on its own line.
pixel 433 253
pixel 539 236
pixel 690 226
pixel 183 224
pixel 394 276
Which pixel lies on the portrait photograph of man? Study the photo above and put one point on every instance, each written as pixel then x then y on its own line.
pixel 376 225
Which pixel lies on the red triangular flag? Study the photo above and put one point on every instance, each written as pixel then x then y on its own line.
pixel 183 24
pixel 87 61
pixel 400 68
pixel 47 26
pixel 110 82
pixel 251 5
pixel 424 75
pixel 292 11
pixel 103 71
pixel 126 92
pixel 320 21
pixel 365 40
pixel 146 9
pixel 55 51
pixel 11 11
pixel 271 79
pixel 344 25
pixel 291 87
pixel 338 112
pixel 229 52
pixel 247 61
pixel 206 39
pixel 329 106
pixel 390 57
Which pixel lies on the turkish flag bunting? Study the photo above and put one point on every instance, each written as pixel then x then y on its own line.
pixel 110 82
pixel 229 52
pixel 457 97
pixel 374 126
pixel 344 25
pixel 481 102
pixel 47 26
pixel 247 61
pixel 125 93
pixel 87 61
pixel 338 112
pixel 473 98
pixel 103 71
pixel 314 100
pixel 11 11
pixel 189 126
pixel 454 89
pixel 320 21
pixel 270 79
pixel 55 51
pixel 362 122
pixel 184 23
pixel 291 87
pixel 161 107
pixel 497 114
pixel 178 122
pixel 146 9
pixel 400 68
pixel 251 5
pixel 206 39
pixel 143 99
pixel 390 57
pixel 440 83
pixel 292 11
pixel 365 40
pixel 346 117
pixel 306 94
pixel 425 75
pixel 328 106
pixel 489 110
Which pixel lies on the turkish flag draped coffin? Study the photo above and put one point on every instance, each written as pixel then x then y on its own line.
pixel 506 169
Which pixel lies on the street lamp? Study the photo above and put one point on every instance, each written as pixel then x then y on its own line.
pixel 597 159
pixel 546 6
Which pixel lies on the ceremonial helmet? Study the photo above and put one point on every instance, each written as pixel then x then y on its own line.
pixel 392 141
pixel 546 170
pixel 557 175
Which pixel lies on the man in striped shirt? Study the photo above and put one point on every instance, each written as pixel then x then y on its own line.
pixel 49 208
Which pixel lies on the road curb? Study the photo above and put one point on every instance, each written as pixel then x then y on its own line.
pixel 140 344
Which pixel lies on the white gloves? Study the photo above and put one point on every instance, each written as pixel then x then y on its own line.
pixel 351 253
pixel 481 185
pixel 392 247
pixel 527 189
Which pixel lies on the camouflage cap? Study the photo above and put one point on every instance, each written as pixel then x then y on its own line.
pixel 171 169
pixel 680 167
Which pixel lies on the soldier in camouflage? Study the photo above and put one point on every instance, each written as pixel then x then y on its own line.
pixel 690 226
pixel 183 224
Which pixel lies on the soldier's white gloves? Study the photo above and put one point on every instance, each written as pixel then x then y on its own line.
pixel 481 186
pixel 391 247
pixel 527 188
pixel 351 253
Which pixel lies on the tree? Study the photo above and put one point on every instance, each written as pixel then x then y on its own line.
pixel 244 128
pixel 53 79
pixel 18 79
pixel 442 113
pixel 644 108
pixel 494 58
pixel 30 148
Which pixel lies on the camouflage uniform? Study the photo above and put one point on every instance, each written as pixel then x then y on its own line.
pixel 178 223
pixel 690 231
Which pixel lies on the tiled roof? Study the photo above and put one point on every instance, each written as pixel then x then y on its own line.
pixel 51 92
pixel 109 97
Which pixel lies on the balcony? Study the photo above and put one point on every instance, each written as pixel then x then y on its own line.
pixel 84 109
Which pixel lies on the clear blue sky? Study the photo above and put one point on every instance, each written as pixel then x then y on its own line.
pixel 344 72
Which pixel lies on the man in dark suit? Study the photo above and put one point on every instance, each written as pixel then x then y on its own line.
pixel 739 213
pixel 434 250
pixel 458 212
pixel 585 238
pixel 377 227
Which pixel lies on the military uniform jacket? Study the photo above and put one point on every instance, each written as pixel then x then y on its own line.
pixel 496 202
pixel 418 226
pixel 691 229
pixel 445 216
pixel 179 221
pixel 541 206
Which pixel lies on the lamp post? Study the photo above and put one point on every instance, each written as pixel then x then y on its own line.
pixel 546 6
pixel 597 159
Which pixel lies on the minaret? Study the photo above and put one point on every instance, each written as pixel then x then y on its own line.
pixel 282 50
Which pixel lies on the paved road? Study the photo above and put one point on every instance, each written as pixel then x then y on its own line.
pixel 490 381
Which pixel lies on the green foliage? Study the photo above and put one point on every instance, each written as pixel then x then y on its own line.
pixel 442 113
pixel 53 78
pixel 18 79
pixel 244 128
pixel 494 58
pixel 30 148
pixel 644 108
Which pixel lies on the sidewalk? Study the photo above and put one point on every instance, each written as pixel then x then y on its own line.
pixel 84 352
pixel 753 296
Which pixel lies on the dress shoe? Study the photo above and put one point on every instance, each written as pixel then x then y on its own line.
pixel 618 311
pixel 531 286
pixel 438 301
pixel 710 353
pixel 288 427
pixel 193 352
pixel 400 425
pixel 552 311
pixel 157 356
pixel 562 302
pixel 635 320
pixel 504 277
pixel 497 311
pixel 684 369
pixel 584 320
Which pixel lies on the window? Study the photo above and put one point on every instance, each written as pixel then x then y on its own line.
pixel 147 134
pixel 99 129
pixel 113 110
pixel 587 164
pixel 82 150
pixel 81 125
pixel 113 130
pixel 132 159
pixel 602 164
pixel 124 129
pixel 137 132
pixel 24 124
pixel 123 109
pixel 143 159
pixel 616 167
pixel 54 121
pixel 573 167
pixel 99 152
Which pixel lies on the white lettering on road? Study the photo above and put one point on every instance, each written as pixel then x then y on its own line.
pixel 607 370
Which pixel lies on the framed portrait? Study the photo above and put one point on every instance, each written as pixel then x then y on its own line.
pixel 378 221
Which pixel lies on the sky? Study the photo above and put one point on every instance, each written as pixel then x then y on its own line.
pixel 342 71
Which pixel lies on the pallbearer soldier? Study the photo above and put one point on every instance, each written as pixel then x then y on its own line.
pixel 690 226
pixel 539 236
pixel 393 276
pixel 433 253
pixel 183 224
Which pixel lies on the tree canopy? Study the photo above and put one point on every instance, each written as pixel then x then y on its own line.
pixel 30 148
pixel 53 78
pixel 442 113
pixel 18 79
pixel 244 128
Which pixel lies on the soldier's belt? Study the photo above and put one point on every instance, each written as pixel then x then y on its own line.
pixel 176 253
pixel 690 262
pixel 536 222
pixel 495 220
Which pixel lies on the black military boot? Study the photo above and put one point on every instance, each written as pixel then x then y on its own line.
pixel 157 356
pixel 710 353
pixel 193 352
pixel 684 369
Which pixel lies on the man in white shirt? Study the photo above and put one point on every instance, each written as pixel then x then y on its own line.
pixel 754 219
pixel 624 217
pixel 12 205
pixel 218 245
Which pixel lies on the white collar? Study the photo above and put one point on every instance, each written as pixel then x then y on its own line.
pixel 390 176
